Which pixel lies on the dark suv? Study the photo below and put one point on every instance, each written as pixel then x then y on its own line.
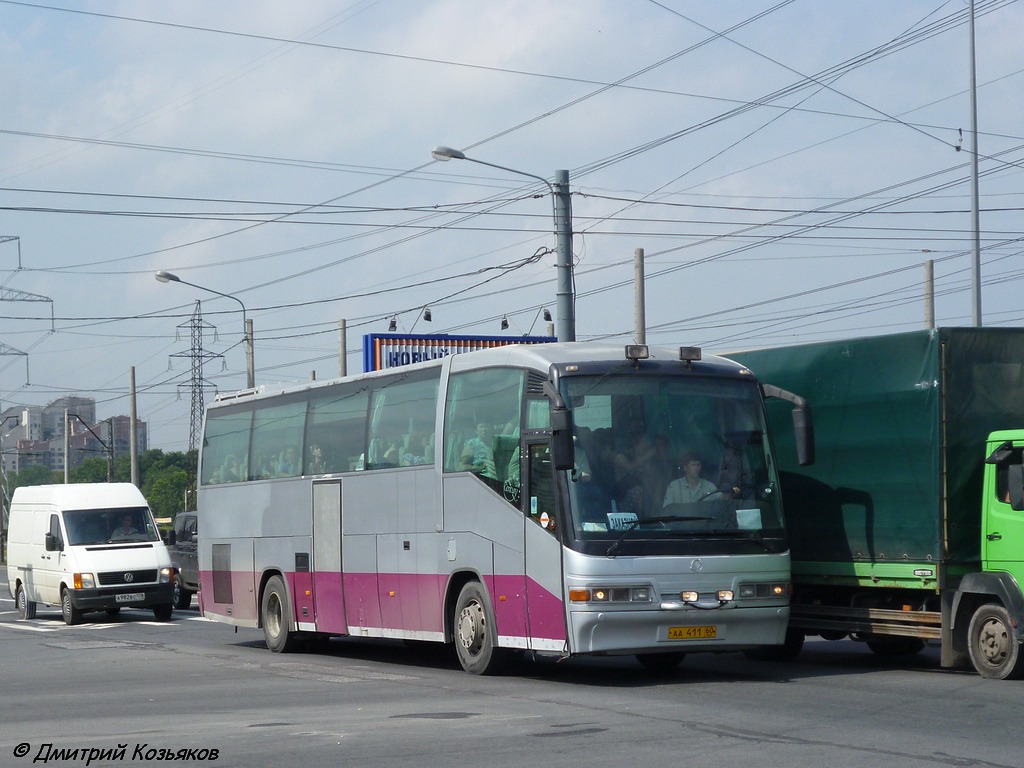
pixel 185 557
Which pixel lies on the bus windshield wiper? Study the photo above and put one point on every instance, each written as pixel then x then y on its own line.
pixel 614 547
pixel 753 536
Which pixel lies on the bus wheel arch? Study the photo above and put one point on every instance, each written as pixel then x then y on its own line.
pixel 276 615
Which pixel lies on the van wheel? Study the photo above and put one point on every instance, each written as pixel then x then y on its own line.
pixel 182 597
pixel 163 612
pixel 114 611
pixel 26 607
pixel 72 615
pixel 276 615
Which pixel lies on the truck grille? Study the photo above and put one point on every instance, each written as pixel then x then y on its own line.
pixel 127 577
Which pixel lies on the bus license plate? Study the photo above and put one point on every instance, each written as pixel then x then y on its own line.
pixel 707 632
pixel 130 597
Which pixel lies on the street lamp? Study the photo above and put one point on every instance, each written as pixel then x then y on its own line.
pixel 563 236
pixel 250 365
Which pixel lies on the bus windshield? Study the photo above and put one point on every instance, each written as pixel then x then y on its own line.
pixel 670 457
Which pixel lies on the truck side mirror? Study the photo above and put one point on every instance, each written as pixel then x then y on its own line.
pixel 1015 482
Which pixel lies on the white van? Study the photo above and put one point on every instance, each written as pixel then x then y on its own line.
pixel 86 547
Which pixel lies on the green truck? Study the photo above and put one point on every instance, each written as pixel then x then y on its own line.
pixel 909 526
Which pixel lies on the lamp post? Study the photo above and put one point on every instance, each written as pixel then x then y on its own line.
pixel 565 295
pixel 250 365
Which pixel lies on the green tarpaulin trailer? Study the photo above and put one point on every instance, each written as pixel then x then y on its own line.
pixel 890 529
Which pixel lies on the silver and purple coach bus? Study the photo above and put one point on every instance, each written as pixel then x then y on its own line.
pixel 557 499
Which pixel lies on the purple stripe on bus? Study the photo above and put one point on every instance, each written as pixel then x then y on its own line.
pixel 401 601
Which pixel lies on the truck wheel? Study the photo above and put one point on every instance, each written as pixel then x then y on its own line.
pixel 26 607
pixel 476 641
pixel 182 597
pixel 276 615
pixel 994 651
pixel 72 615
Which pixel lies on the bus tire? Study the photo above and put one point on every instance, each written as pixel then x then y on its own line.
pixel 71 614
pixel 26 607
pixel 276 615
pixel 476 641
pixel 992 645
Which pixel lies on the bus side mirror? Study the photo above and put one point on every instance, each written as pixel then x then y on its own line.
pixel 803 434
pixel 803 424
pixel 561 439
pixel 1015 481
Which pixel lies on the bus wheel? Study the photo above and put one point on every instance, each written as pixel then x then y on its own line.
pixel 660 662
pixel 475 636
pixel 72 615
pixel 26 607
pixel 276 614
pixel 992 646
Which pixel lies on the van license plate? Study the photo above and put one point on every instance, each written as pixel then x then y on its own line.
pixel 130 597
pixel 693 633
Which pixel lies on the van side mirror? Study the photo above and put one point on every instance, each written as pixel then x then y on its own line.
pixel 52 543
pixel 172 538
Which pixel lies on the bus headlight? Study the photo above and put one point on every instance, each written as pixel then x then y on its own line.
pixel 777 589
pixel 616 595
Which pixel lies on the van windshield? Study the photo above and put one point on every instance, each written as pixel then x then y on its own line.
pixel 104 526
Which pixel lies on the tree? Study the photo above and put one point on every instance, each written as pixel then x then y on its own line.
pixel 34 475
pixel 163 477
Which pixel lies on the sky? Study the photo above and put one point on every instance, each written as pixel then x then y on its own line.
pixel 789 168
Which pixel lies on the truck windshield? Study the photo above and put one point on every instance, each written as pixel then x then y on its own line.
pixel 670 458
pixel 103 526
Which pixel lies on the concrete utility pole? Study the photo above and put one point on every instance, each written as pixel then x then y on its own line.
pixel 565 294
pixel 639 297
pixel 133 421
pixel 975 215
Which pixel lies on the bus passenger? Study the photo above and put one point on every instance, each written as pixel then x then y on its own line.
pixel 477 453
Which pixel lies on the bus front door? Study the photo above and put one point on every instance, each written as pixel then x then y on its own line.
pixel 328 595
pixel 546 610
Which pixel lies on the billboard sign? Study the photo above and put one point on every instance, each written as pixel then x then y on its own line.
pixel 390 350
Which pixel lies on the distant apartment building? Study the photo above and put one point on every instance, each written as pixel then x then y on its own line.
pixel 34 435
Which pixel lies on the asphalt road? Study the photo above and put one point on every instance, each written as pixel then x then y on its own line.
pixel 157 689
